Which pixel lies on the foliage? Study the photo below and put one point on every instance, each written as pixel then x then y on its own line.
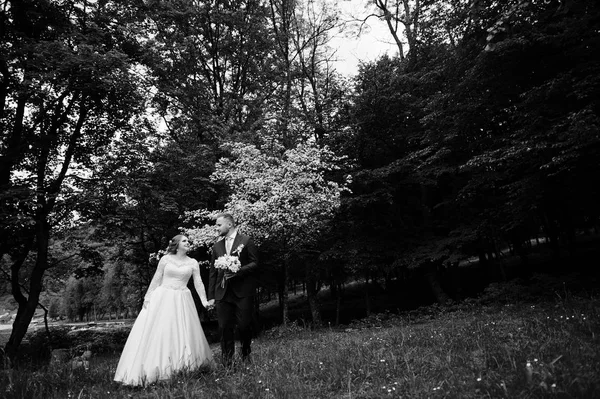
pixel 212 65
pixel 287 199
pixel 38 346
pixel 484 137
pixel 467 149
pixel 67 89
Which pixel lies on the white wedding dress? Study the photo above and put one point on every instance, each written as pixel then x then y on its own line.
pixel 166 336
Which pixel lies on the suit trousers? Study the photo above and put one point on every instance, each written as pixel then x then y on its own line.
pixel 232 311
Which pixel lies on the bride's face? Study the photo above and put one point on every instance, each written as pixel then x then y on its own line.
pixel 184 244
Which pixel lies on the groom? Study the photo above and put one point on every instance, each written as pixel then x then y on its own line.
pixel 233 292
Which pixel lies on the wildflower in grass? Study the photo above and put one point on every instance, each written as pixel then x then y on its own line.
pixel 528 371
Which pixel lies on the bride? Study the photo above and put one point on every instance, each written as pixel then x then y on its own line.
pixel 167 336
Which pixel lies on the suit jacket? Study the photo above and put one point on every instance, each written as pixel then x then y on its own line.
pixel 245 281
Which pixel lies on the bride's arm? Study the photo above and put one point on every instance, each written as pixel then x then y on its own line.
pixel 199 285
pixel 156 280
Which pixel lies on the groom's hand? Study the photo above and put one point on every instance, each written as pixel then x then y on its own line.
pixel 229 274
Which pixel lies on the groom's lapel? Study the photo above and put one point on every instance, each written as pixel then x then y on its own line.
pixel 236 243
pixel 222 249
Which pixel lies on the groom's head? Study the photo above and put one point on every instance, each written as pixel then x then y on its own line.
pixel 224 223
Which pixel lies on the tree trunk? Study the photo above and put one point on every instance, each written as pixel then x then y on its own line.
pixel 454 272
pixel 382 5
pixel 333 287
pixel 338 304
pixel 313 303
pixel 432 276
pixel 45 319
pixel 501 270
pixel 283 294
pixel 367 297
pixel 551 234
pixel 27 307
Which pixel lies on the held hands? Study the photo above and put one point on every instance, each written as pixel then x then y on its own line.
pixel 209 305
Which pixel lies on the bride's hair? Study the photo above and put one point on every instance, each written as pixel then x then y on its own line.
pixel 174 243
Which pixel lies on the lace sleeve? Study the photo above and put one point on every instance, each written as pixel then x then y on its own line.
pixel 199 285
pixel 156 280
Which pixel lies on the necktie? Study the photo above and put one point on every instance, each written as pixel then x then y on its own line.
pixel 228 244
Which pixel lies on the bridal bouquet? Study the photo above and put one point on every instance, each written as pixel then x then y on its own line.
pixel 229 262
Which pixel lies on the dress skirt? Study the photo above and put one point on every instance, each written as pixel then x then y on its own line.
pixel 166 337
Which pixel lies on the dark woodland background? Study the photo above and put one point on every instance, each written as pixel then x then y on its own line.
pixel 474 155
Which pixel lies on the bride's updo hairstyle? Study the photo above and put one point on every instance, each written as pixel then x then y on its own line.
pixel 174 244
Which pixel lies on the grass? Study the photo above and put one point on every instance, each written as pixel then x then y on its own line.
pixel 525 350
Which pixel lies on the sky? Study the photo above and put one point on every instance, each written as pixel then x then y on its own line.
pixel 374 41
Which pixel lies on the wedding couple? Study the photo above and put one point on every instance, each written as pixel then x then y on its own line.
pixel 167 336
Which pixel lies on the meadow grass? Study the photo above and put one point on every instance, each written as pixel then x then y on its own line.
pixel 525 350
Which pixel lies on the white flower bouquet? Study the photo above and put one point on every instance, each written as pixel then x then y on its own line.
pixel 228 262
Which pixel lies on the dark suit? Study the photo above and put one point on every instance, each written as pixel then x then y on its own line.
pixel 235 298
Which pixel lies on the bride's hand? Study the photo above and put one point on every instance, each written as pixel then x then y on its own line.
pixel 209 304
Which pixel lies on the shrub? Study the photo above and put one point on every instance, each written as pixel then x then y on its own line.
pixel 38 345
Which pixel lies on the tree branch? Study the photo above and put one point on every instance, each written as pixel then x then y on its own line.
pixel 55 187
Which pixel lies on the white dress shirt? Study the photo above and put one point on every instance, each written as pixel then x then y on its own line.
pixel 229 242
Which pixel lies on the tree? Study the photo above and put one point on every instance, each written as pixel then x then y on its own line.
pixel 310 94
pixel 471 148
pixel 68 87
pixel 402 18
pixel 320 91
pixel 531 134
pixel 212 66
pixel 80 298
pixel 284 200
